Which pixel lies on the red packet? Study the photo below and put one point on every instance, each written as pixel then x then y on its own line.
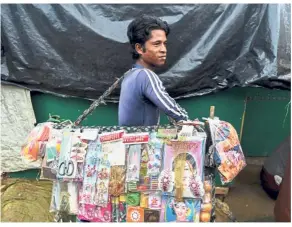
pixel 94 213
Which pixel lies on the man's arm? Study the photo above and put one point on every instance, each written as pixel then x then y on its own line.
pixel 152 88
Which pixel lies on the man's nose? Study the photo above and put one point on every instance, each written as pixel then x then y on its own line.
pixel 163 48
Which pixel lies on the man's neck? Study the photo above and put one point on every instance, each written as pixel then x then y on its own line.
pixel 144 64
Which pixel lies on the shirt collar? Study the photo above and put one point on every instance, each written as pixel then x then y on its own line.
pixel 138 66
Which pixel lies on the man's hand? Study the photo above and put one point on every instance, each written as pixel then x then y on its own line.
pixel 194 123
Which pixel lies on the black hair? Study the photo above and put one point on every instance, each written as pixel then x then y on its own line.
pixel 189 158
pixel 139 31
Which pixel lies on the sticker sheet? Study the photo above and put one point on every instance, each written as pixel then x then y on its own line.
pixel 90 173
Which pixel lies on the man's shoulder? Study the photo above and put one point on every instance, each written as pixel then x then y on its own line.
pixel 136 73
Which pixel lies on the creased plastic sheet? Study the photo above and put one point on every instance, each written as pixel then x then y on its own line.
pixel 79 50
pixel 17 120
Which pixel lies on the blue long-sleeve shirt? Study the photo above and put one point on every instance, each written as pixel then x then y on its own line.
pixel 142 97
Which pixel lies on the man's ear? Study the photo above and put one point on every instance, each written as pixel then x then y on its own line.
pixel 139 48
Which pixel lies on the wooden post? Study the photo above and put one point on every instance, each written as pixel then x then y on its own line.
pixel 212 112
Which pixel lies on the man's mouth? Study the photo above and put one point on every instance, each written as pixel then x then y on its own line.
pixel 162 57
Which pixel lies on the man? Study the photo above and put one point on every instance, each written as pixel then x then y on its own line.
pixel 142 93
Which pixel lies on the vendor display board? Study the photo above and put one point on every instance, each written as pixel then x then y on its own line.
pixel 129 174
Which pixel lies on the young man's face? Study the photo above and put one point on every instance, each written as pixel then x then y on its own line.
pixel 154 52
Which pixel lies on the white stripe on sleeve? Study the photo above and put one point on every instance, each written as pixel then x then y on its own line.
pixel 159 97
pixel 170 100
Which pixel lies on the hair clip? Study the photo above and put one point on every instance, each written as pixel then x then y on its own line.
pixel 196 187
pixel 158 156
pixel 166 181
pixel 103 175
pixel 155 164
pixel 132 168
pixel 90 171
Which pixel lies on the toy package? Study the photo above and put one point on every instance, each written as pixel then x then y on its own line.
pixel 33 148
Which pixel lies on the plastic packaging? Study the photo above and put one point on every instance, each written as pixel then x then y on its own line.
pixel 79 49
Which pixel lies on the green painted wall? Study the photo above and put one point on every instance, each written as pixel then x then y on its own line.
pixel 263 129
pixel 267 121
pixel 71 108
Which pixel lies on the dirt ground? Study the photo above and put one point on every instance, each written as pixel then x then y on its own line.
pixel 246 198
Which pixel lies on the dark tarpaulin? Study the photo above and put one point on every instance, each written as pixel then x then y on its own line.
pixel 79 50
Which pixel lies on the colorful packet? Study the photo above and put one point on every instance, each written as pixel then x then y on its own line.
pixel 135 214
pixel 151 161
pixel 227 149
pixel 134 145
pixel 144 200
pixel 30 150
pixel 133 198
pixel 154 200
pixel 117 180
pixel 187 210
pixel 112 149
pixel 115 209
pixel 122 208
pixel 151 215
pixel 182 173
pixel 95 213
pixel 90 173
